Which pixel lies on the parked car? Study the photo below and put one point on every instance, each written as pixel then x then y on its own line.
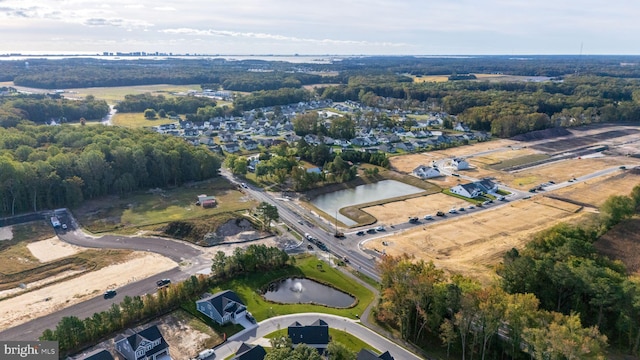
pixel 163 282
pixel 64 226
pixel 109 294
pixel 371 231
pixel 428 217
pixel 471 207
pixel 244 185
pixel 360 233
pixel 440 213
pixel 310 247
pixel 413 219
pixel 461 209
pixel 345 259
pixel 453 211
pixel 380 228
pixel 205 354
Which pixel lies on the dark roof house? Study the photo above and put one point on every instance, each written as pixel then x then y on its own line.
pixel 366 354
pixel 98 354
pixel 145 344
pixel 250 352
pixel 315 335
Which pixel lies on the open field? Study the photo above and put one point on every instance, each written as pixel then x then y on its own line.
pixel 399 211
pixel 31 305
pixel 114 94
pixel 498 157
pixel 595 192
pixel 472 244
pixel 430 78
pixel 623 243
pixel 466 150
pixel 160 206
pixel 137 120
pixel 406 163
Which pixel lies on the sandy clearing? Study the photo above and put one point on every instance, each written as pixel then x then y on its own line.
pixel 467 150
pixel 399 211
pixel 499 156
pixel 31 305
pixel 597 191
pixel 406 163
pixel 52 249
pixel 6 233
pixel 50 279
pixel 471 245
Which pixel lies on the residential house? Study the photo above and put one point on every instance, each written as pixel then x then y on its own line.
pixel 250 144
pixel 231 147
pixel 366 354
pixel 98 354
pixel 461 127
pixel 223 307
pixel 250 352
pixel 426 172
pixel 475 189
pixel 460 164
pixel 359 141
pixel 147 344
pixel 315 335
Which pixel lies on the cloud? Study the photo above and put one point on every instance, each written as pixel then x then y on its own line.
pixel 164 8
pixel 266 36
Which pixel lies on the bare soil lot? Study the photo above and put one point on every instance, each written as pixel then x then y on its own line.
pixel 623 243
pixel 584 141
pixel 52 249
pixel 597 191
pixel 400 211
pixel 473 244
pixel 31 305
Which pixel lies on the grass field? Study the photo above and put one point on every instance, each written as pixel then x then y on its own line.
pixel 473 244
pixel 137 120
pixel 114 94
pixel 156 207
pixel 351 342
pixel 249 287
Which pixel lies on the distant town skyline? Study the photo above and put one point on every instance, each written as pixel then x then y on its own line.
pixel 347 27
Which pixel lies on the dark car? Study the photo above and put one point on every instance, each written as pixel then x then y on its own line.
pixel 360 233
pixel 109 294
pixel 163 282
pixel 371 231
pixel 440 213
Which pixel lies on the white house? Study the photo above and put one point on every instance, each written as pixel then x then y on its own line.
pixel 426 172
pixel 460 164
pixel 475 189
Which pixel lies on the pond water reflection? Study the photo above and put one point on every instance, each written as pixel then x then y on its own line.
pixel 293 291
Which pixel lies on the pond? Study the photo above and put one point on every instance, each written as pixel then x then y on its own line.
pixel 294 291
pixel 334 201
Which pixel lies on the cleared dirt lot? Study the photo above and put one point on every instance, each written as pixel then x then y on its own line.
pixel 597 191
pixel 31 305
pixel 472 244
pixel 623 243
pixel 400 211
pixel 52 249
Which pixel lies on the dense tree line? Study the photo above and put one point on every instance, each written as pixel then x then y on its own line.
pixel 179 105
pixel 44 108
pixel 43 167
pixel 266 98
pixel 253 258
pixel 73 333
pixel 556 299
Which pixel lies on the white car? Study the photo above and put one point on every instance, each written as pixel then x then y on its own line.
pixel 453 211
pixel 64 226
pixel 428 217
pixel 380 228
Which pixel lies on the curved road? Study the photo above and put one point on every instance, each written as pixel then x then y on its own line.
pixel 352 327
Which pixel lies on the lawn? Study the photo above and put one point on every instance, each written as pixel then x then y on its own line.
pixel 160 206
pixel 137 120
pixel 249 287
pixel 351 342
pixel 117 93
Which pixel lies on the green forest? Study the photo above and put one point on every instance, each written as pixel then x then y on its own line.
pixel 44 167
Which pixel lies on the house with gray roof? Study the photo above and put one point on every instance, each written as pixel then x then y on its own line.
pixel 250 352
pixel 147 344
pixel 223 307
pixel 98 354
pixel 366 354
pixel 475 189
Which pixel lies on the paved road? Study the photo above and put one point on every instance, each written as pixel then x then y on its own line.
pixel 337 322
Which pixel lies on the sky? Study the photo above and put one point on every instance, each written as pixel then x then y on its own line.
pixel 339 27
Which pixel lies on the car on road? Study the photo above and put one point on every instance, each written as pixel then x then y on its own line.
pixel 244 185
pixel 471 207
pixel 371 231
pixel 454 174
pixel 300 222
pixel 109 294
pixel 413 220
pixel 163 282
pixel 462 209
pixel 428 217
pixel 345 259
pixel 64 227
pixel 360 233
pixel 440 213
pixel 380 228
pixel 453 211
pixel 310 247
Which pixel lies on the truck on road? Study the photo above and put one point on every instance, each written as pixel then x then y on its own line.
pixel 55 222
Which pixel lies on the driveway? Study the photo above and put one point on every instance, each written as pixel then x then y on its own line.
pixel 352 327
